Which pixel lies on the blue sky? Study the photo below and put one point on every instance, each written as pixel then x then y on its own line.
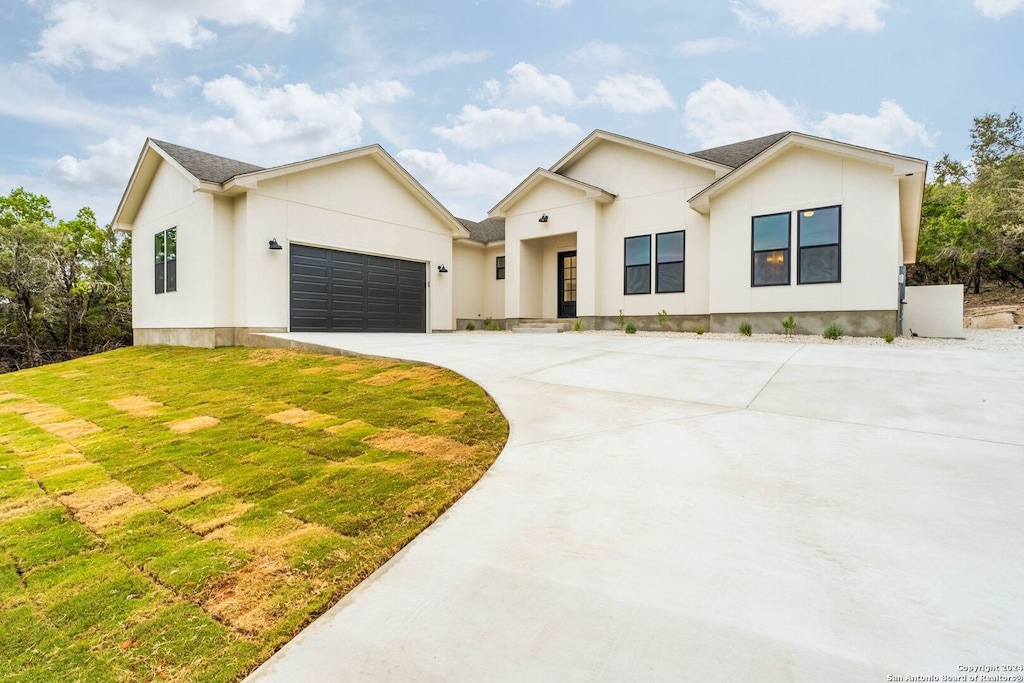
pixel 472 96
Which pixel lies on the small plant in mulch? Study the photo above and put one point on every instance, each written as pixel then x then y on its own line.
pixel 788 326
pixel 746 330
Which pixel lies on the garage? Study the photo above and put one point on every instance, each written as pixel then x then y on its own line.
pixel 340 291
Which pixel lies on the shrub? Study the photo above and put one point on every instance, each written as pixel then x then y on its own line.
pixel 699 330
pixel 577 325
pixel 630 328
pixel 889 337
pixel 489 324
pixel 470 327
pixel 622 320
pixel 746 330
pixel 662 317
pixel 788 325
pixel 833 331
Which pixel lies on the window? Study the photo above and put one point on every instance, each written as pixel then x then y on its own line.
pixel 670 248
pixel 165 250
pixel 638 265
pixel 770 249
pixel 818 240
pixel 499 268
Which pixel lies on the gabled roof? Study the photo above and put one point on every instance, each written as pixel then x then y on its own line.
pixel 599 136
pixel 487 230
pixel 205 166
pixel 541 175
pixel 739 153
pixel 221 175
pixel 901 165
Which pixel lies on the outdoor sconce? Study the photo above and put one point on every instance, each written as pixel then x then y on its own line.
pixel 274 246
pixel 442 269
pixel 543 218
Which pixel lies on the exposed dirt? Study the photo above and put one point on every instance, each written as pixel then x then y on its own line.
pixel 420 444
pixel 184 491
pixel 53 419
pixel 300 418
pixel 193 424
pixel 136 405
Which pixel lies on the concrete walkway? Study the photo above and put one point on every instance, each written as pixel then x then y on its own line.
pixel 689 510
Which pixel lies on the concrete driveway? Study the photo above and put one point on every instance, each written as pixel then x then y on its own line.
pixel 697 510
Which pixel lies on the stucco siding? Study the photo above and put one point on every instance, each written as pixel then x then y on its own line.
pixel 171 203
pixel 802 179
pixel 352 206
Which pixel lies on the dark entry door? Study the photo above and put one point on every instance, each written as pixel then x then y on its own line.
pixel 343 291
pixel 567 284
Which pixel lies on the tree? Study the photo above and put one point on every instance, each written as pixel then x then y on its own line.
pixel 65 286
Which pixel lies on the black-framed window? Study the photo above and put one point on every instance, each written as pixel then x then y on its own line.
pixel 818 240
pixel 165 256
pixel 770 250
pixel 670 259
pixel 499 268
pixel 638 265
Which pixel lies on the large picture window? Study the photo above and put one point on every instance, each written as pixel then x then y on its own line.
pixel 670 258
pixel 499 268
pixel 818 240
pixel 165 252
pixel 770 250
pixel 638 265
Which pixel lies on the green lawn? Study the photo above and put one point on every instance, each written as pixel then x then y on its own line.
pixel 179 514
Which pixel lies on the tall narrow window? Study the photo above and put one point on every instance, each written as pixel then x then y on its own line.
pixel 670 254
pixel 770 250
pixel 638 265
pixel 818 240
pixel 165 252
pixel 499 268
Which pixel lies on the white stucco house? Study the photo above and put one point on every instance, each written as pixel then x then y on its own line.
pixel 749 232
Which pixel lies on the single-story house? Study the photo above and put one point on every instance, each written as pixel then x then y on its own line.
pixel 748 232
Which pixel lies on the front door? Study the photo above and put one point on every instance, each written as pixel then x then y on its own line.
pixel 567 284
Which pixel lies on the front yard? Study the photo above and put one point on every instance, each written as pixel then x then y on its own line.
pixel 178 514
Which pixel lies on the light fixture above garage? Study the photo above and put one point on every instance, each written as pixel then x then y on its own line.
pixel 543 218
pixel 274 246
pixel 442 269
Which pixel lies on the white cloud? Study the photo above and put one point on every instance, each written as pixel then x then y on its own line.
pixel 997 9
pixel 597 53
pixel 463 188
pixel 30 94
pixel 108 163
pixel 632 93
pixel 527 84
pixel 889 129
pixel 807 17
pixel 475 127
pixel 110 34
pixel 708 46
pixel 441 62
pixel 171 88
pixel 263 73
pixel 381 92
pixel 553 4
pixel 719 114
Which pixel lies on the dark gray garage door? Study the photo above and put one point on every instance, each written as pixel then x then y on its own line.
pixel 338 291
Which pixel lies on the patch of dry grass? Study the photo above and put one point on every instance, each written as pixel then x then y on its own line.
pixel 193 424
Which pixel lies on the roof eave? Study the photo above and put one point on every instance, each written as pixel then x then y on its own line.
pixel 142 175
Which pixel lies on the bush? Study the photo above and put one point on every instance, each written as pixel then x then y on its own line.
pixel 833 331
pixel 889 337
pixel 630 328
pixel 746 330
pixel 662 317
pixel 788 325
pixel 699 330
pixel 622 320
pixel 470 327
pixel 577 325
pixel 489 324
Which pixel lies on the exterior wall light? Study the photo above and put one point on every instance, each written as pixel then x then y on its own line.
pixel 274 246
pixel 442 269
pixel 543 218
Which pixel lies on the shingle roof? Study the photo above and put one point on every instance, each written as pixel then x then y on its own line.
pixel 487 230
pixel 739 153
pixel 208 167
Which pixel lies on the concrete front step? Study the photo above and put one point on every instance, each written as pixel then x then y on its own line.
pixel 541 326
pixel 536 329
